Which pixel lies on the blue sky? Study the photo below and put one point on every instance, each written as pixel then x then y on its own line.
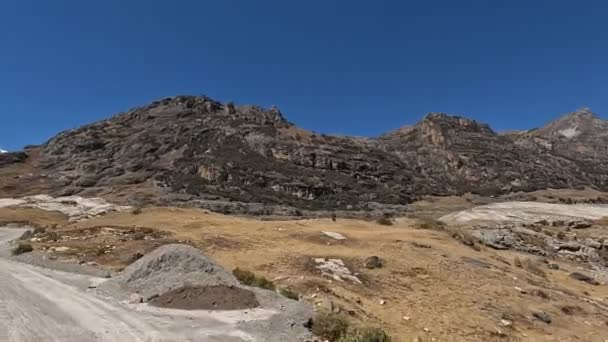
pixel 349 67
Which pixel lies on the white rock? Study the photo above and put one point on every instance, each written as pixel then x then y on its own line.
pixel 335 268
pixel 333 235
pixel 136 298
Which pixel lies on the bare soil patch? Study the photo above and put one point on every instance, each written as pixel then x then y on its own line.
pixel 219 297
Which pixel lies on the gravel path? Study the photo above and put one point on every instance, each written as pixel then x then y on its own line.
pixel 38 304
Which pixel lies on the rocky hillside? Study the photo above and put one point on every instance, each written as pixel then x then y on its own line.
pixel 198 151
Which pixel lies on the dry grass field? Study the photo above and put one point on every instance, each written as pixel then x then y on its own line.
pixel 432 285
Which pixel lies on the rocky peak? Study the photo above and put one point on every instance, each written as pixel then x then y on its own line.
pixel 572 125
pixel 453 123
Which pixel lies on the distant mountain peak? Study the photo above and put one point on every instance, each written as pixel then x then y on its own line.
pixel 454 123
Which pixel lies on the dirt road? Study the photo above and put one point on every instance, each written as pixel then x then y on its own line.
pixel 38 304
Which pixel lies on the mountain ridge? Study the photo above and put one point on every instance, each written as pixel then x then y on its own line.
pixel 197 151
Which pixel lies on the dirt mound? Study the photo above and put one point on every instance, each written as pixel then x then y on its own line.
pixel 218 297
pixel 171 267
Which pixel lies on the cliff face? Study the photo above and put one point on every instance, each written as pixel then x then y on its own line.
pixel 195 149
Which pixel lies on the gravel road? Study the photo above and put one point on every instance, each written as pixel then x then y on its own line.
pixel 38 304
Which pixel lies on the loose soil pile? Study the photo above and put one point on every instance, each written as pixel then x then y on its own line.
pixel 219 297
pixel 172 267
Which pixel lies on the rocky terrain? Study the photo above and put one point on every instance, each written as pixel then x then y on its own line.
pixel 195 151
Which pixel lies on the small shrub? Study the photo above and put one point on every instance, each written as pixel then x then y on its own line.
pixel 22 247
pixel 250 279
pixel 333 217
pixel 40 230
pixel 264 283
pixel 289 293
pixel 330 327
pixel 384 221
pixel 244 277
pixel 136 211
pixel 367 335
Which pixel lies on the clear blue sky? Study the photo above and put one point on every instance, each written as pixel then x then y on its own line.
pixel 350 67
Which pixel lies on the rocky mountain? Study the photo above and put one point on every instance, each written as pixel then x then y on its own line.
pixel 198 151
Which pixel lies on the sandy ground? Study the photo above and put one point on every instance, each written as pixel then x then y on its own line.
pixel 38 304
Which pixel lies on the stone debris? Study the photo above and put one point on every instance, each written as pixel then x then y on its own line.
pixel 542 316
pixel 336 269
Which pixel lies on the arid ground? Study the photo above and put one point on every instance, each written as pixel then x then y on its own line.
pixel 433 283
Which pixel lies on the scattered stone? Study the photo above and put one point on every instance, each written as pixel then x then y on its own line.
pixel 336 269
pixel 420 245
pixel 580 225
pixel 406 318
pixel 585 278
pixel 373 262
pixel 542 316
pixel 381 302
pixel 336 236
pixel 554 266
pixel 522 291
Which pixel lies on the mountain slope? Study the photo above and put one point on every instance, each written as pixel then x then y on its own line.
pixel 201 152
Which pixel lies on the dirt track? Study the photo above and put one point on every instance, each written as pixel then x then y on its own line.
pixel 37 304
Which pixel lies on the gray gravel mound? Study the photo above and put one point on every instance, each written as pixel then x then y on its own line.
pixel 171 267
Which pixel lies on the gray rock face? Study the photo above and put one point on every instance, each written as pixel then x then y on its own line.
pixel 190 149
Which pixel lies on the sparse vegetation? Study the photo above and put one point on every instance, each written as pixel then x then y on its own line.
pixel 534 267
pixel 432 224
pixel 136 211
pixel 289 293
pixel 139 236
pixel 366 335
pixel 251 279
pixel 329 326
pixel 385 221
pixel 22 247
